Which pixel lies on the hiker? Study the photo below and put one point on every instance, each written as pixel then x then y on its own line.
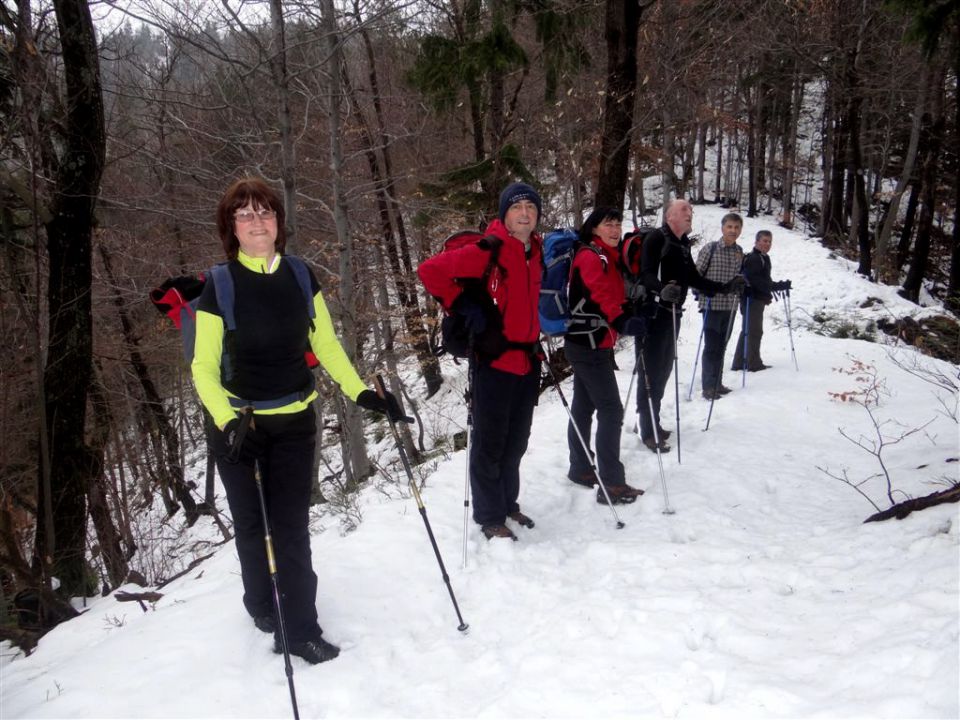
pixel 597 294
pixel 759 293
pixel 720 261
pixel 667 270
pixel 269 372
pixel 505 387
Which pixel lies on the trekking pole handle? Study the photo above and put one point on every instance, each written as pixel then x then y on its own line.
pixel 246 417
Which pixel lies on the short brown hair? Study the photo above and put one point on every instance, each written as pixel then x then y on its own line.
pixel 246 190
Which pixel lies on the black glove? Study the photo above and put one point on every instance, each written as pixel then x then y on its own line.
pixel 671 293
pixel 473 314
pixel 386 405
pixel 630 325
pixel 735 286
pixel 243 447
pixel 782 286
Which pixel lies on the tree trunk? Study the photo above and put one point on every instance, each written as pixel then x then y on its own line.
pixel 928 190
pixel 910 217
pixel 67 374
pixel 108 538
pixel 403 278
pixel 701 159
pixel 790 149
pixel 886 269
pixel 288 153
pixel 952 300
pixel 620 31
pixel 352 430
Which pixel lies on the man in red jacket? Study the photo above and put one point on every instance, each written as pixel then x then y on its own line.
pixel 505 387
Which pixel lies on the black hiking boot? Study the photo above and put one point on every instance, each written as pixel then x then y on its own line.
pixel 712 394
pixel 723 389
pixel 313 651
pixel 521 519
pixel 663 433
pixel 619 494
pixel 266 623
pixel 497 531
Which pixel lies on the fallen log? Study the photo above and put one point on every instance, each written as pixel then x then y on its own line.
pixel 902 509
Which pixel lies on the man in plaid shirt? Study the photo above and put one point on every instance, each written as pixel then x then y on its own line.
pixel 720 261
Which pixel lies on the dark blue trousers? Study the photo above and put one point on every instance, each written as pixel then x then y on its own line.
pixel 287 471
pixel 658 356
pixel 503 406
pixel 716 330
pixel 595 390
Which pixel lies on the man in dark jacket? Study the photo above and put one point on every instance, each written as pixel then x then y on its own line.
pixel 759 293
pixel 504 388
pixel 667 270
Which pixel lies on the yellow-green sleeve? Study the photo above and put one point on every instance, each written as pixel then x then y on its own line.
pixel 330 353
pixel 207 350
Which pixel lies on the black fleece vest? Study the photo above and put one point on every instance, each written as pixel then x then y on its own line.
pixel 272 333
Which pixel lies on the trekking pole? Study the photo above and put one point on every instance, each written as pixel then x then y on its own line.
pixel 746 338
pixel 626 400
pixel 786 306
pixel 380 387
pixel 583 443
pixel 246 417
pixel 667 510
pixel 696 358
pixel 468 396
pixel 716 386
pixel 676 377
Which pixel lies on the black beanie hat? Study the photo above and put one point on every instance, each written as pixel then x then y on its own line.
pixel 515 193
pixel 595 218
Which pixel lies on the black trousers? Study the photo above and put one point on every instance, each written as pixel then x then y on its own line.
pixel 658 349
pixel 752 327
pixel 503 406
pixel 716 332
pixel 595 390
pixel 287 472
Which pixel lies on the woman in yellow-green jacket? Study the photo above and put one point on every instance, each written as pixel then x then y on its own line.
pixel 261 363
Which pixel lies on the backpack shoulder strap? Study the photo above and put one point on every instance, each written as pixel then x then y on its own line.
pixel 302 274
pixel 223 285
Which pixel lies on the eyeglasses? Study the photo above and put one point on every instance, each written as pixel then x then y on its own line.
pixel 245 216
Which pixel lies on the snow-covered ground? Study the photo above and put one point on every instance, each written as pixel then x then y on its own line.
pixel 763 596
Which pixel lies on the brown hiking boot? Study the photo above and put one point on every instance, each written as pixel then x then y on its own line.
pixel 652 445
pixel 497 531
pixel 521 519
pixel 587 479
pixel 619 494
pixel 663 433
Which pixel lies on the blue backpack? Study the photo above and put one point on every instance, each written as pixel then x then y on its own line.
pixel 178 298
pixel 556 315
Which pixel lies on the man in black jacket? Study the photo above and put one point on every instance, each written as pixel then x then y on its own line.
pixel 760 290
pixel 667 269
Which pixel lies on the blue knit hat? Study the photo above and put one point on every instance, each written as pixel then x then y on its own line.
pixel 515 193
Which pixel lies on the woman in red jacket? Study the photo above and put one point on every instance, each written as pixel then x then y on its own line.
pixel 598 302
pixel 505 387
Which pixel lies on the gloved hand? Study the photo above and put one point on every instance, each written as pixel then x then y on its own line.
pixel 782 286
pixel 472 312
pixel 671 293
pixel 386 405
pixel 631 325
pixel 243 447
pixel 735 285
